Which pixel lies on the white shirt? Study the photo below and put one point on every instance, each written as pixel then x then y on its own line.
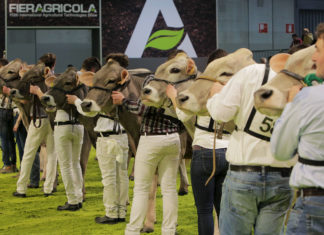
pixel 201 137
pixel 235 102
pixel 103 124
pixel 301 128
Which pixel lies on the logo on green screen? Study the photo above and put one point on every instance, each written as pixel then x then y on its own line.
pixel 165 39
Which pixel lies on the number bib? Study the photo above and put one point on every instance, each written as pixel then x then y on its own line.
pixel 259 125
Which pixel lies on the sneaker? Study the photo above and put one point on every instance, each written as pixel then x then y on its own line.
pixel 68 207
pixel 6 169
pixel 16 194
pixel 106 220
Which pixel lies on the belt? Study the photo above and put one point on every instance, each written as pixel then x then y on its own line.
pixel 40 117
pixel 285 172
pixel 145 133
pixel 73 122
pixel 197 147
pixel 108 133
pixel 307 192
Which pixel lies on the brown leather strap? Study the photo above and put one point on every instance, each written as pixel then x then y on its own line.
pixel 307 192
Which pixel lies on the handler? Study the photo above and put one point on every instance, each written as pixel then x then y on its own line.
pixel 256 193
pixel 300 129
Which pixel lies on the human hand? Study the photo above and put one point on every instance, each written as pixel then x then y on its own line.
pixel 15 128
pixel 71 98
pixel 216 88
pixel 171 92
pixel 6 90
pixel 34 89
pixel 117 97
pixel 293 92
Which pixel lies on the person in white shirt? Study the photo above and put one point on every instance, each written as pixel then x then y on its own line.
pixel 300 129
pixel 207 196
pixel 256 194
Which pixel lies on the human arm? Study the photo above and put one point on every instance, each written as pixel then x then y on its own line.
pixel 36 91
pixel 285 136
pixel 15 128
pixel 136 107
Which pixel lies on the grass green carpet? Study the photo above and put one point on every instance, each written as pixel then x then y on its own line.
pixel 37 214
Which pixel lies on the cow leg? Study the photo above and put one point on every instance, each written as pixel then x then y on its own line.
pixel 85 151
pixel 151 211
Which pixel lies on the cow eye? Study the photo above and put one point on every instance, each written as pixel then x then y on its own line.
pixel 11 72
pixel 226 74
pixel 175 70
pixel 110 82
pixel 68 83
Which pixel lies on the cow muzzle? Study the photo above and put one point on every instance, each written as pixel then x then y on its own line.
pixel 15 94
pixel 86 106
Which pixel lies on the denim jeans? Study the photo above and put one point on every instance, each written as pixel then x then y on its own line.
pixel 7 137
pixel 307 216
pixel 207 197
pixel 254 200
pixel 21 135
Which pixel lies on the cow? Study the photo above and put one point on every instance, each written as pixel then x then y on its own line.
pixel 272 97
pixel 194 99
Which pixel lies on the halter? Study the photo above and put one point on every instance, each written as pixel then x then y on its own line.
pixel 294 75
pixel 9 80
pixel 119 86
pixel 68 92
pixel 152 78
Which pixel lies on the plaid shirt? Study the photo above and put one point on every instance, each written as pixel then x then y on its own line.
pixel 154 120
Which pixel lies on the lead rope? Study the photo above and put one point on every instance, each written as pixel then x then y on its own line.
pixel 217 134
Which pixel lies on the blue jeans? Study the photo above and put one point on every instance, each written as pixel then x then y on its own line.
pixel 307 216
pixel 207 197
pixel 7 137
pixel 21 136
pixel 254 200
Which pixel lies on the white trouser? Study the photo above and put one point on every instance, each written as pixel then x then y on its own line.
pixel 35 136
pixel 162 152
pixel 68 142
pixel 112 154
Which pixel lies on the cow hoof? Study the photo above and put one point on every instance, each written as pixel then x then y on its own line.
pixel 182 193
pixel 131 178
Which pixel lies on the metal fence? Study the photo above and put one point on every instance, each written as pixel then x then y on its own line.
pixel 258 54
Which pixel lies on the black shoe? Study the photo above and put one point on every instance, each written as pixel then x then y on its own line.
pixel 182 193
pixel 80 205
pixel 68 207
pixel 121 219
pixel 49 194
pixel 147 230
pixel 106 220
pixel 32 186
pixel 16 194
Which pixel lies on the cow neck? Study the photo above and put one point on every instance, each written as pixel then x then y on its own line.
pixel 207 78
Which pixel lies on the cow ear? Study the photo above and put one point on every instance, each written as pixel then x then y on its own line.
pixel 47 72
pixel 86 78
pixel 191 67
pixel 124 77
pixel 23 69
pixel 278 61
pixel 49 80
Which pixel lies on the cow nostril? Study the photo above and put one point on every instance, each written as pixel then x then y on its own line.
pixel 266 94
pixel 147 91
pixel 86 104
pixel 13 92
pixel 183 99
pixel 45 98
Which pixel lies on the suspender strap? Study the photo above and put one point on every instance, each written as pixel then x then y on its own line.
pixel 252 114
pixel 210 127
pixel 310 162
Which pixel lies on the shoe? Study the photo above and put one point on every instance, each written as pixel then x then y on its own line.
pixel 68 207
pixel 182 193
pixel 107 220
pixel 147 230
pixel 80 205
pixel 49 194
pixel 32 186
pixel 16 194
pixel 6 169
pixel 121 220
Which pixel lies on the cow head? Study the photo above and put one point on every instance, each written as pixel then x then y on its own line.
pixel 194 98
pixel 59 87
pixel 9 74
pixel 30 76
pixel 272 97
pixel 111 76
pixel 177 71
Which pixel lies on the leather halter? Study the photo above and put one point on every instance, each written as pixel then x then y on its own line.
pixel 68 92
pixel 294 75
pixel 152 78
pixel 119 86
